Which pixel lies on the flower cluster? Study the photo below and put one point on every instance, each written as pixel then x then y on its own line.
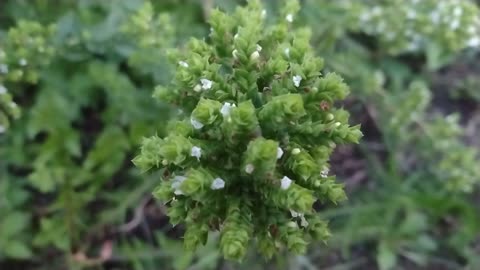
pixel 413 25
pixel 248 154
pixel 25 48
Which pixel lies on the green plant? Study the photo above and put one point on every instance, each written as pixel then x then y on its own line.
pixel 84 105
pixel 249 154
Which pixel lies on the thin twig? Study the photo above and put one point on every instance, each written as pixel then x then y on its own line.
pixel 137 216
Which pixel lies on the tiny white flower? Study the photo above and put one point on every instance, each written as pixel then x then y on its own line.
pixel 454 24
pixel 296 80
pixel 236 36
pixel 473 42
pixel 287 52
pixel 411 14
pixel 289 18
pixel 264 13
pixel 413 46
pixel 206 84
pixel 22 62
pixel 226 108
pixel 2 129
pixel 458 11
pixel 196 124
pixel 197 88
pixel 259 48
pixel 296 151
pixel 471 29
pixel 249 168
pixel 330 117
pixel 234 53
pixel 3 68
pixel 176 183
pixel 183 64
pixel 303 221
pixel 217 183
pixel 366 16
pixel 196 152
pixel 285 183
pixel 3 90
pixel 255 55
pixel 279 153
pixel 164 162
pixel 435 17
pixel 324 172
pixel 376 10
pixel 390 36
pixel 294 213
pixel 337 124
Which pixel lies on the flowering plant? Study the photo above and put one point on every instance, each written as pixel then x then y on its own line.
pixel 28 40
pixel 248 154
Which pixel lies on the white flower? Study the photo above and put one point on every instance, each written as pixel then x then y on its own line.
pixel 435 16
pixel 3 90
pixel 337 124
pixel 176 183
pixel 196 152
pixel 471 29
pixel 206 84
pixel 2 129
pixel 376 10
pixel 366 16
pixel 259 48
pixel 473 42
pixel 454 24
pixel 296 151
pixel 3 68
pixel 289 18
pixel 303 221
pixel 183 64
pixel 279 153
pixel 217 183
pixel 264 13
pixel 249 168
pixel 22 62
pixel 458 11
pixel 390 36
pixel 295 214
pixel 285 183
pixel 324 172
pixel 330 117
pixel 236 36
pixel 287 52
pixel 411 14
pixel 255 55
pixel 296 80
pixel 234 53
pixel 226 108
pixel 196 124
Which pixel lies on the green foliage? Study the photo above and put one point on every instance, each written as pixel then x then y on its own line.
pixel 260 108
pixel 85 104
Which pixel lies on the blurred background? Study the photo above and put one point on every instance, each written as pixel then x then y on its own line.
pixel 76 79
